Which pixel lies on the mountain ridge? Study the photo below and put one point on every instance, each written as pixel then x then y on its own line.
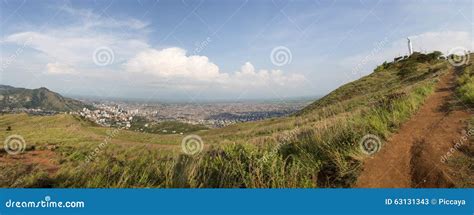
pixel 39 98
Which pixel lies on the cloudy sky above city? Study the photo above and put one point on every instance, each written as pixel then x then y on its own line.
pixel 234 50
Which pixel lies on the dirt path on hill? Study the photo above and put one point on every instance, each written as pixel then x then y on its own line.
pixel 412 156
pixel 45 160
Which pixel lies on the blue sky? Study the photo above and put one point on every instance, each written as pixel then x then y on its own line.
pixel 233 50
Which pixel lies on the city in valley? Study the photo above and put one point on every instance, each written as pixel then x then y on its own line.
pixel 209 114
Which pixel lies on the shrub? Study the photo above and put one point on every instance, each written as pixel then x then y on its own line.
pixel 407 69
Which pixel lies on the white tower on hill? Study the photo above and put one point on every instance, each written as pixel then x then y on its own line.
pixel 410 47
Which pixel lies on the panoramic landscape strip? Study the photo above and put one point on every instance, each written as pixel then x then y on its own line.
pixel 255 107
pixel 326 144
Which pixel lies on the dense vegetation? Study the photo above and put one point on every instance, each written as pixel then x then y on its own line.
pixel 318 147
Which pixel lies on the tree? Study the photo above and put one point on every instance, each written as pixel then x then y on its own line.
pixel 435 55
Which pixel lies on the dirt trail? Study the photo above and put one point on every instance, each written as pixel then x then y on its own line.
pixel 43 159
pixel 412 156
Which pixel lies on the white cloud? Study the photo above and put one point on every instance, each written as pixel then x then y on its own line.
pixel 441 41
pixel 173 63
pixel 93 20
pixel 248 76
pixel 75 44
pixel 68 50
pixel 175 66
pixel 58 68
pixel 75 47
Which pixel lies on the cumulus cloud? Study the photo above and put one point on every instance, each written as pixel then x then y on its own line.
pixel 175 66
pixel 173 63
pixel 249 76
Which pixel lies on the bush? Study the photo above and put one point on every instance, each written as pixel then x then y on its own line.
pixel 435 55
pixel 407 69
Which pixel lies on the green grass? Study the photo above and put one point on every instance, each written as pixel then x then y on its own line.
pixel 317 147
pixel 141 124
pixel 465 82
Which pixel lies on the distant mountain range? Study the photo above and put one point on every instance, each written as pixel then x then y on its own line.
pixel 41 98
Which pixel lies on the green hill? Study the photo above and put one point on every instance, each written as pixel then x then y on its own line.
pixel 141 124
pixel 41 98
pixel 386 79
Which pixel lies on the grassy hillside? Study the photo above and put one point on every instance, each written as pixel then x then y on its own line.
pixel 41 98
pixel 141 124
pixel 317 147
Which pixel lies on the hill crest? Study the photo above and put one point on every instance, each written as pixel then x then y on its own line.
pixel 40 98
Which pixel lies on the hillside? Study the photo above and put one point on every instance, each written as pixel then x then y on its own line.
pixel 317 147
pixel 41 98
pixel 419 153
pixel 385 79
pixel 141 124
